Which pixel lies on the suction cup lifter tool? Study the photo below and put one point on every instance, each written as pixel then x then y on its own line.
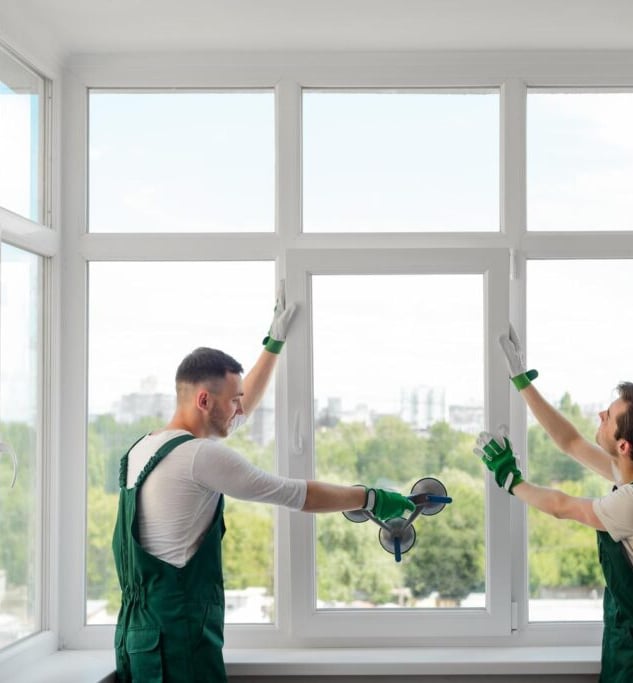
pixel 397 536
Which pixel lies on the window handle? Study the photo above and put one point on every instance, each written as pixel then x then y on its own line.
pixel 297 439
pixel 5 448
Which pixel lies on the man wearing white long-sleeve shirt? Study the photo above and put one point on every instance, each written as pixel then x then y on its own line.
pixel 167 540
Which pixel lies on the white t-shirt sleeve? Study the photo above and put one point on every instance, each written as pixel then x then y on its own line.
pixel 220 468
pixel 615 511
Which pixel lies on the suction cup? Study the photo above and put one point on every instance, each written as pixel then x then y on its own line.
pixel 356 516
pixel 426 491
pixel 399 539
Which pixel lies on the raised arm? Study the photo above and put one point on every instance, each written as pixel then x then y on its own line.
pixel 257 379
pixel 563 433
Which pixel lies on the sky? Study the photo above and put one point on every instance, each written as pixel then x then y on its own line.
pixel 409 161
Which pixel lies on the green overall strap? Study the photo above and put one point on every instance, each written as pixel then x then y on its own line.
pixel 161 453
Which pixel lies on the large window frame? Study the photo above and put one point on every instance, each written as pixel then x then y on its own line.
pixel 42 239
pixel 296 253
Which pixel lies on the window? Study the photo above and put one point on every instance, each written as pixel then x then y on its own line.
pixel 572 309
pixel 377 196
pixel 400 162
pixel 21 438
pixel 580 160
pixel 396 359
pixel 181 162
pixel 390 414
pixel 144 319
pixel 21 137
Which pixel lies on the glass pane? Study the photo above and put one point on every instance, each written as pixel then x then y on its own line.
pixel 144 318
pixel 182 162
pixel 20 380
pixel 579 161
pixel 400 162
pixel 21 119
pixel 399 396
pixel 572 308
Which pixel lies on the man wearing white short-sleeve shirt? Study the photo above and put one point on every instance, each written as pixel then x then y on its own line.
pixel 611 515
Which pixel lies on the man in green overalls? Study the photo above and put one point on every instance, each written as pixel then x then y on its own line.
pixel 167 538
pixel 611 515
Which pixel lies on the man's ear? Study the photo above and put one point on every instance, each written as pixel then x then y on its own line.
pixel 625 448
pixel 203 399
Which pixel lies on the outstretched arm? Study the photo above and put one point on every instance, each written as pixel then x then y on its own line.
pixel 383 504
pixel 559 504
pixel 497 455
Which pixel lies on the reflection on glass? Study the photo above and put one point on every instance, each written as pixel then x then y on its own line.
pixel 21 96
pixel 182 162
pixel 579 161
pixel 400 162
pixel 573 308
pixel 144 318
pixel 398 377
pixel 20 354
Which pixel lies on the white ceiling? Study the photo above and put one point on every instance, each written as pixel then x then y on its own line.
pixel 105 26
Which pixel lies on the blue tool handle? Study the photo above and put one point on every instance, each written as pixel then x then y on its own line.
pixel 440 499
pixel 396 549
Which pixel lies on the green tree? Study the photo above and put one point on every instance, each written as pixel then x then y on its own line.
pixel 449 553
pixel 248 545
pixel 563 552
pixel 340 450
pixel 351 565
pixel 18 505
pixel 101 577
pixel 392 455
pixel 446 447
pixel 547 464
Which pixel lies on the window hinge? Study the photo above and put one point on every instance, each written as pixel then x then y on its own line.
pixel 514 616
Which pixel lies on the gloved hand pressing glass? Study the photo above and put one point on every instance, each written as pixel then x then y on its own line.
pixel 515 359
pixel 496 454
pixel 276 337
pixel 385 504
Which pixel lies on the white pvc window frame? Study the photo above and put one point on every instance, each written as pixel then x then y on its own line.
pixel 396 627
pixel 512 73
pixel 42 239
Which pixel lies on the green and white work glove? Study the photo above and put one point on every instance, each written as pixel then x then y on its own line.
pixel 496 454
pixel 515 358
pixel 385 504
pixel 274 340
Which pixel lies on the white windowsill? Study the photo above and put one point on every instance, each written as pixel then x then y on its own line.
pixel 96 666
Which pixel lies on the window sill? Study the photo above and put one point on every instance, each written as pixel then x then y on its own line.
pixel 414 661
pixel 97 666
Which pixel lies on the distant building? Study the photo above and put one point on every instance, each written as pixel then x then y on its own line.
pixel 466 418
pixel 422 406
pixel 262 420
pixel 133 407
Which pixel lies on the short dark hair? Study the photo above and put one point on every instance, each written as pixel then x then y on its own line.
pixel 624 422
pixel 205 364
